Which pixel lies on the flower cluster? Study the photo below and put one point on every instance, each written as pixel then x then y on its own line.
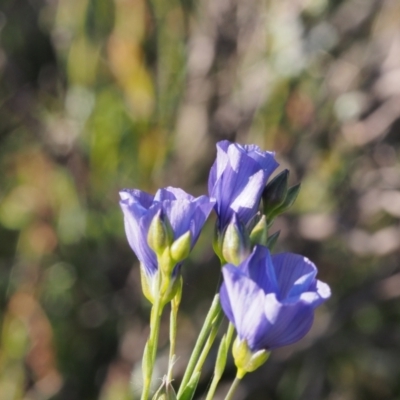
pixel 269 299
pixel 162 229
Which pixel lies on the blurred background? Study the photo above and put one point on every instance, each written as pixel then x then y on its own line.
pixel 98 95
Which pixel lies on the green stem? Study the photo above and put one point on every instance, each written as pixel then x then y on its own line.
pixel 209 342
pixel 234 386
pixel 149 355
pixel 221 361
pixel 213 388
pixel 213 313
pixel 172 335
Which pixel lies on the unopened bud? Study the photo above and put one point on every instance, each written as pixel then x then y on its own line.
pixel 180 248
pixel 275 192
pixel 259 234
pixel 291 197
pixel 160 235
pixel 236 242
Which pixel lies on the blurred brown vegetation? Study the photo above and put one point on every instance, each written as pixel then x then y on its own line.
pixel 100 95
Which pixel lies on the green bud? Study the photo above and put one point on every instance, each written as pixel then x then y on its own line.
pixel 236 242
pixel 160 234
pixel 259 233
pixel 147 361
pixel 221 358
pixel 291 197
pixel 245 360
pixel 275 192
pixel 180 248
pixel 165 391
pixel 271 242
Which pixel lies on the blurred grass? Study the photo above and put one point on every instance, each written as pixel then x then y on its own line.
pixel 96 96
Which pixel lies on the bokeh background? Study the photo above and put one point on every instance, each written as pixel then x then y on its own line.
pixel 98 95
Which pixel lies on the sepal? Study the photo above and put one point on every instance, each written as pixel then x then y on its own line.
pixel 245 360
pixel 168 288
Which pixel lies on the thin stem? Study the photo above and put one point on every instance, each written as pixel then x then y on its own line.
pixel 213 387
pixel 172 335
pixel 234 386
pixel 209 343
pixel 221 361
pixel 149 355
pixel 214 311
pixel 229 333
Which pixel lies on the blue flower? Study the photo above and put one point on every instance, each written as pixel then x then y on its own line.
pixel 183 212
pixel 237 180
pixel 271 299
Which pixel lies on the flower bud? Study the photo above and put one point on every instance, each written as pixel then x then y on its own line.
pixel 235 242
pixel 165 391
pixel 180 248
pixel 291 197
pixel 259 234
pixel 160 234
pixel 275 192
pixel 245 359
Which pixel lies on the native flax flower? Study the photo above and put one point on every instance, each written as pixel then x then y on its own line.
pixel 181 212
pixel 271 299
pixel 237 180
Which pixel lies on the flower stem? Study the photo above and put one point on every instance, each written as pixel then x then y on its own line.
pixel 209 343
pixel 172 334
pixel 234 386
pixel 212 315
pixel 221 361
pixel 150 352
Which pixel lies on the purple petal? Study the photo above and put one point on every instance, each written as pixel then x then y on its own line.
pixel 295 274
pixel 171 193
pixel 131 196
pixel 232 183
pixel 266 159
pixel 317 297
pixel 259 268
pixel 219 164
pixel 290 322
pixel 225 303
pixel 237 180
pixel 137 220
pixel 185 215
pixel 245 308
